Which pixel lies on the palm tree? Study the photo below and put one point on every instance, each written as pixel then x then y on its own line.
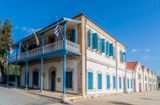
pixel 5 44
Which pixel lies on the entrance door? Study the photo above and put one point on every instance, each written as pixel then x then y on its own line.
pixel 35 79
pixel 53 80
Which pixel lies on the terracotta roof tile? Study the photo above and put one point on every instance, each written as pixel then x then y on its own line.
pixel 131 65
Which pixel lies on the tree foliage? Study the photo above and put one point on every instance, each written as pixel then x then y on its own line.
pixel 5 40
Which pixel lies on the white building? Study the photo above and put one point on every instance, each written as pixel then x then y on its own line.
pixel 144 78
pixel 86 60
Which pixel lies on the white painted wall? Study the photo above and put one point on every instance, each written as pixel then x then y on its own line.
pixel 129 75
pixel 71 65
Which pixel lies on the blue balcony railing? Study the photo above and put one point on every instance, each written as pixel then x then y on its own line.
pixel 71 47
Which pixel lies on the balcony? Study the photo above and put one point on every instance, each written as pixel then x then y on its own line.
pixel 49 48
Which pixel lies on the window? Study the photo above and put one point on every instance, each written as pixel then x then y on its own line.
pixel 128 83
pixel 122 57
pixel 114 82
pixel 90 80
pixel 99 81
pixel 102 47
pixel 110 49
pixel 89 38
pixel 95 41
pixel 120 83
pixel 108 81
pixel 73 35
pixel 131 83
pixel 69 79
pixel 107 48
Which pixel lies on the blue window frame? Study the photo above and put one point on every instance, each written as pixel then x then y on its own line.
pixel 108 81
pixel 128 83
pixel 114 82
pixel 69 79
pixel 99 81
pixel 90 80
pixel 120 83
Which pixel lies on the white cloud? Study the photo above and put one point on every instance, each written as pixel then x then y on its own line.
pixel 27 30
pixel 135 50
pixel 146 57
pixel 147 50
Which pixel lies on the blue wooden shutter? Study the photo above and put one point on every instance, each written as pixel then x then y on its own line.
pixel 110 49
pixel 114 82
pixel 108 82
pixel 102 45
pixel 90 80
pixel 89 38
pixel 93 39
pixel 99 81
pixel 69 79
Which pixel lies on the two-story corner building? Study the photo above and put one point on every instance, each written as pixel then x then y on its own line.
pixel 145 79
pixel 85 60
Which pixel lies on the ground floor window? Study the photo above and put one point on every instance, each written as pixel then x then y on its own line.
pixel 69 79
pixel 99 81
pixel 108 81
pixel 128 83
pixel 114 82
pixel 90 80
pixel 131 83
pixel 120 83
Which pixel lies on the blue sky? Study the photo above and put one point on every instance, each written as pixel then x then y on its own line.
pixel 136 23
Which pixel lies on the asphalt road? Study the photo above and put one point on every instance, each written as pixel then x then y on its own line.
pixel 12 96
pixel 144 98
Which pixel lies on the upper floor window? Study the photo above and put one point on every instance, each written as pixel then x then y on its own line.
pixel 122 56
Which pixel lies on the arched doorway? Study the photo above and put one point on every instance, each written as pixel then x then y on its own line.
pixel 53 81
pixel 52 78
pixel 35 79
